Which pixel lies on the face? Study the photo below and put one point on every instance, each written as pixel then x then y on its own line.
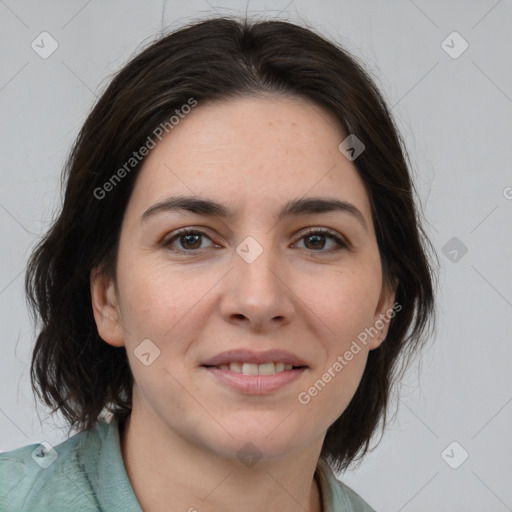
pixel 186 305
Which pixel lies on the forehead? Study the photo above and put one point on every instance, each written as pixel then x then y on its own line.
pixel 252 152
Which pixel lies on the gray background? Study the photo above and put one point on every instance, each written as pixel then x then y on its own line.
pixel 456 117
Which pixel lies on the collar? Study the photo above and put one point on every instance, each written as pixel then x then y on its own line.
pixel 103 464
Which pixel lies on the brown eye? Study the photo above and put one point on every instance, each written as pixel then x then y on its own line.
pixel 189 240
pixel 316 240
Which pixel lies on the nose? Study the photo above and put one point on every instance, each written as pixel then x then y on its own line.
pixel 257 291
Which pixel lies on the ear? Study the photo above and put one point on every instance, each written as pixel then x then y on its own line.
pixel 105 307
pixel 385 311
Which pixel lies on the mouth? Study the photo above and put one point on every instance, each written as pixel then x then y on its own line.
pixel 255 373
pixel 269 368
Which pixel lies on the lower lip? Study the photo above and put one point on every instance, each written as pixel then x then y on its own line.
pixel 255 384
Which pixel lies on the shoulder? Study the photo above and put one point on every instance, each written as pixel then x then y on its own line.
pixel 39 477
pixel 337 496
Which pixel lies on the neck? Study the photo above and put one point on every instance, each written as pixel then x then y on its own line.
pixel 169 473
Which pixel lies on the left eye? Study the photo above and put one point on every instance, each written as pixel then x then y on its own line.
pixel 317 235
pixel 190 240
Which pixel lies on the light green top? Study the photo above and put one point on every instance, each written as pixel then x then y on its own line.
pixel 86 473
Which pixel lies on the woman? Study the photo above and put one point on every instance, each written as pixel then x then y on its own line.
pixel 235 275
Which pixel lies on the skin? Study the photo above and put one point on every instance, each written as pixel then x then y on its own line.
pixel 252 154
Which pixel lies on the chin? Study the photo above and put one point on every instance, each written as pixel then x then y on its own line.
pixel 267 439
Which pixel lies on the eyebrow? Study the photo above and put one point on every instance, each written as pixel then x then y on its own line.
pixel 293 208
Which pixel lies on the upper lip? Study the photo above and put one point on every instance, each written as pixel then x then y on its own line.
pixel 249 356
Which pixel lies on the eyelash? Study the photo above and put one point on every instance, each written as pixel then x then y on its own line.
pixel 341 244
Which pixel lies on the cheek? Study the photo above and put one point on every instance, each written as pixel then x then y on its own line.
pixel 157 298
pixel 345 302
pixel 330 389
pixel 346 306
pixel 163 312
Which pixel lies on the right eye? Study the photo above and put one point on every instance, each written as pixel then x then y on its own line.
pixel 188 238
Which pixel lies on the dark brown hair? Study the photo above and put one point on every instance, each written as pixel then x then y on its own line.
pixel 73 370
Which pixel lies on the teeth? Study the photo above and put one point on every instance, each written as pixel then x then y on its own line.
pixel 234 367
pixel 256 369
pixel 266 369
